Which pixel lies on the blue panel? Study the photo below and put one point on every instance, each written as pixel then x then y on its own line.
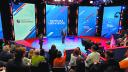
pixel 1 31
pixel 111 21
pixel 56 20
pixel 24 21
pixel 87 21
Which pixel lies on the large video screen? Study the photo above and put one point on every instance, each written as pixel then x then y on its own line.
pixel 56 20
pixel 111 19
pixel 87 21
pixel 24 21
pixel 1 29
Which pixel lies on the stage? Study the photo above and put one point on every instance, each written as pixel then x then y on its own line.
pixel 71 42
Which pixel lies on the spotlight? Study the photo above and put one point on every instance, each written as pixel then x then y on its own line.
pixel 121 18
pixel 120 28
pixel 96 26
pixel 91 2
pixel 123 7
pixel 56 0
pixel 70 0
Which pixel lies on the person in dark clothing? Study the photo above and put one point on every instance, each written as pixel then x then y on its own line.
pixel 5 55
pixel 110 65
pixel 87 44
pixel 52 54
pixel 42 52
pixel 1 44
pixel 17 63
pixel 41 40
pixel 63 36
pixel 80 65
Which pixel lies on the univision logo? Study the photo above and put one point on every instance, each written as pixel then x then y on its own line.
pixel 24 21
pixel 59 22
pixel 18 21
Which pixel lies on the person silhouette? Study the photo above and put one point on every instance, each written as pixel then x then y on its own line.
pixel 63 36
pixel 41 40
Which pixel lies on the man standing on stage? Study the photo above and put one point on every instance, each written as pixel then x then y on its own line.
pixel 63 36
pixel 41 40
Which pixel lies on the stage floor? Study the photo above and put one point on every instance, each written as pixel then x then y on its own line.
pixel 70 42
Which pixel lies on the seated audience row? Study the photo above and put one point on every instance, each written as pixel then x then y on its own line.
pixel 17 59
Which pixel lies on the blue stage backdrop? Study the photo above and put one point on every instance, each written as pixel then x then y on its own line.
pixel 24 21
pixel 56 20
pixel 111 19
pixel 1 29
pixel 87 21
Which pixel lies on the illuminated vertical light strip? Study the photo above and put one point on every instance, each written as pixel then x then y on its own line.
pixel 70 0
pixel 97 21
pixel 36 19
pixel 44 21
pixel 121 17
pixel 68 20
pixel 77 21
pixel 44 26
pixel 11 20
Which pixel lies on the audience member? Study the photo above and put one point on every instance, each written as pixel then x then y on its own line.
pixel 75 60
pixel 2 68
pixel 42 52
pixel 37 58
pixel 5 55
pixel 31 53
pixel 110 65
pixel 26 60
pixel 93 57
pixel 60 61
pixel 52 54
pixel 17 63
pixel 74 56
pixel 83 56
pixel 124 63
pixel 125 41
pixel 1 44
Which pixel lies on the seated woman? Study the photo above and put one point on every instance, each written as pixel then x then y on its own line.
pixel 125 40
pixel 59 61
pixel 74 56
pixel 37 58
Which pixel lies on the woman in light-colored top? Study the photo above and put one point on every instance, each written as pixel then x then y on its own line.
pixel 74 56
pixel 31 53
pixel 125 40
pixel 26 60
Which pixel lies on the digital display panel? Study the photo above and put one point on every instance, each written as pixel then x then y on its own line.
pixel 111 19
pixel 24 21
pixel 56 20
pixel 1 29
pixel 87 20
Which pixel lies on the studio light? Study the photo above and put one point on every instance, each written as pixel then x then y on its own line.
pixel 91 2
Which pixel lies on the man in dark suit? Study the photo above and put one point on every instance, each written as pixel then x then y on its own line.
pixel 63 36
pixel 41 40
